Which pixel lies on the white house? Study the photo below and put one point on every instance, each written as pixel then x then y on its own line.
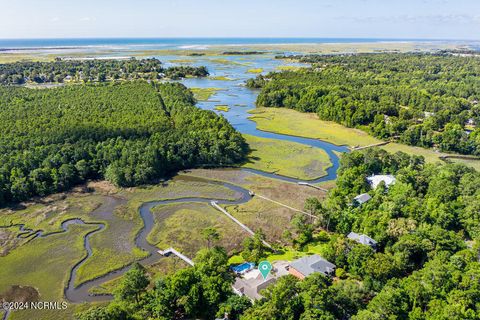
pixel 375 180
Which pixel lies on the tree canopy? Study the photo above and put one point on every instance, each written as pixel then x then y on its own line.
pixel 423 100
pixel 130 133
pixel 95 70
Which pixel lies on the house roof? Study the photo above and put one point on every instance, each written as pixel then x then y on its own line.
pixel 253 283
pixel 375 180
pixel 364 197
pixel 311 264
pixel 361 238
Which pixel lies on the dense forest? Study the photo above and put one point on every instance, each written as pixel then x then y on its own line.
pixel 424 100
pixel 82 71
pixel 129 133
pixel 425 265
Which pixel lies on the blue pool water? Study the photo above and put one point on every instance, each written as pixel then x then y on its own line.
pixel 244 267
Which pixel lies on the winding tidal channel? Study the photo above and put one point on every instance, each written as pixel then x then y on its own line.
pixel 240 99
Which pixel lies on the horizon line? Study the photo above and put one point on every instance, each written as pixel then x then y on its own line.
pixel 240 37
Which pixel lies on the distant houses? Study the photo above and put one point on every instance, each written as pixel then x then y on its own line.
pixel 362 239
pixel 361 199
pixel 375 180
pixel 308 265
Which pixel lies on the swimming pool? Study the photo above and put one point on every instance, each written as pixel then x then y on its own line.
pixel 242 268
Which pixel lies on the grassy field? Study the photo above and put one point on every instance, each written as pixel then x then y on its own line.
pixel 308 125
pixel 180 226
pixel 287 254
pixel 222 107
pixel 44 264
pixel 286 158
pixel 288 193
pixel 229 62
pixel 48 214
pixel 430 155
pixel 221 78
pixel 289 68
pixel 182 61
pixel 475 164
pixel 203 94
pixel 259 213
pixel 255 70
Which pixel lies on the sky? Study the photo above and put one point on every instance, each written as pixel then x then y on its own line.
pixel 400 19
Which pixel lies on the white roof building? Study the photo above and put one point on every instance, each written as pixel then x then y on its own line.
pixel 375 180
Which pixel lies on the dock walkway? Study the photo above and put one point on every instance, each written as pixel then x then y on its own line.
pixel 170 251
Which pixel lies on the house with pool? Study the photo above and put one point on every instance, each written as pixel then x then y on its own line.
pixel 250 282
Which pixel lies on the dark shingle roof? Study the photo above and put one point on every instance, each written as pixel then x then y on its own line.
pixel 310 264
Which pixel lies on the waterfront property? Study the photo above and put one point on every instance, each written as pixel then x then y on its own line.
pixel 251 283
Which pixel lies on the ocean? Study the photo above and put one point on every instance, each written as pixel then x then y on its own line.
pixel 174 43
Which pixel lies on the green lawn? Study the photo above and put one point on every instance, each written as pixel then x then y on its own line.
pixel 468 162
pixel 287 254
pixel 286 158
pixel 308 125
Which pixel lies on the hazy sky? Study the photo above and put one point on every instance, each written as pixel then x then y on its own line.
pixel 447 19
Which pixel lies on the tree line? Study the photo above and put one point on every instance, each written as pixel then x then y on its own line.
pixel 130 133
pixel 97 70
pixel 423 100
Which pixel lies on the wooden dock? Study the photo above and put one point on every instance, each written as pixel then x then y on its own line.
pixel 244 227
pixel 286 206
pixel 312 186
pixel 171 251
